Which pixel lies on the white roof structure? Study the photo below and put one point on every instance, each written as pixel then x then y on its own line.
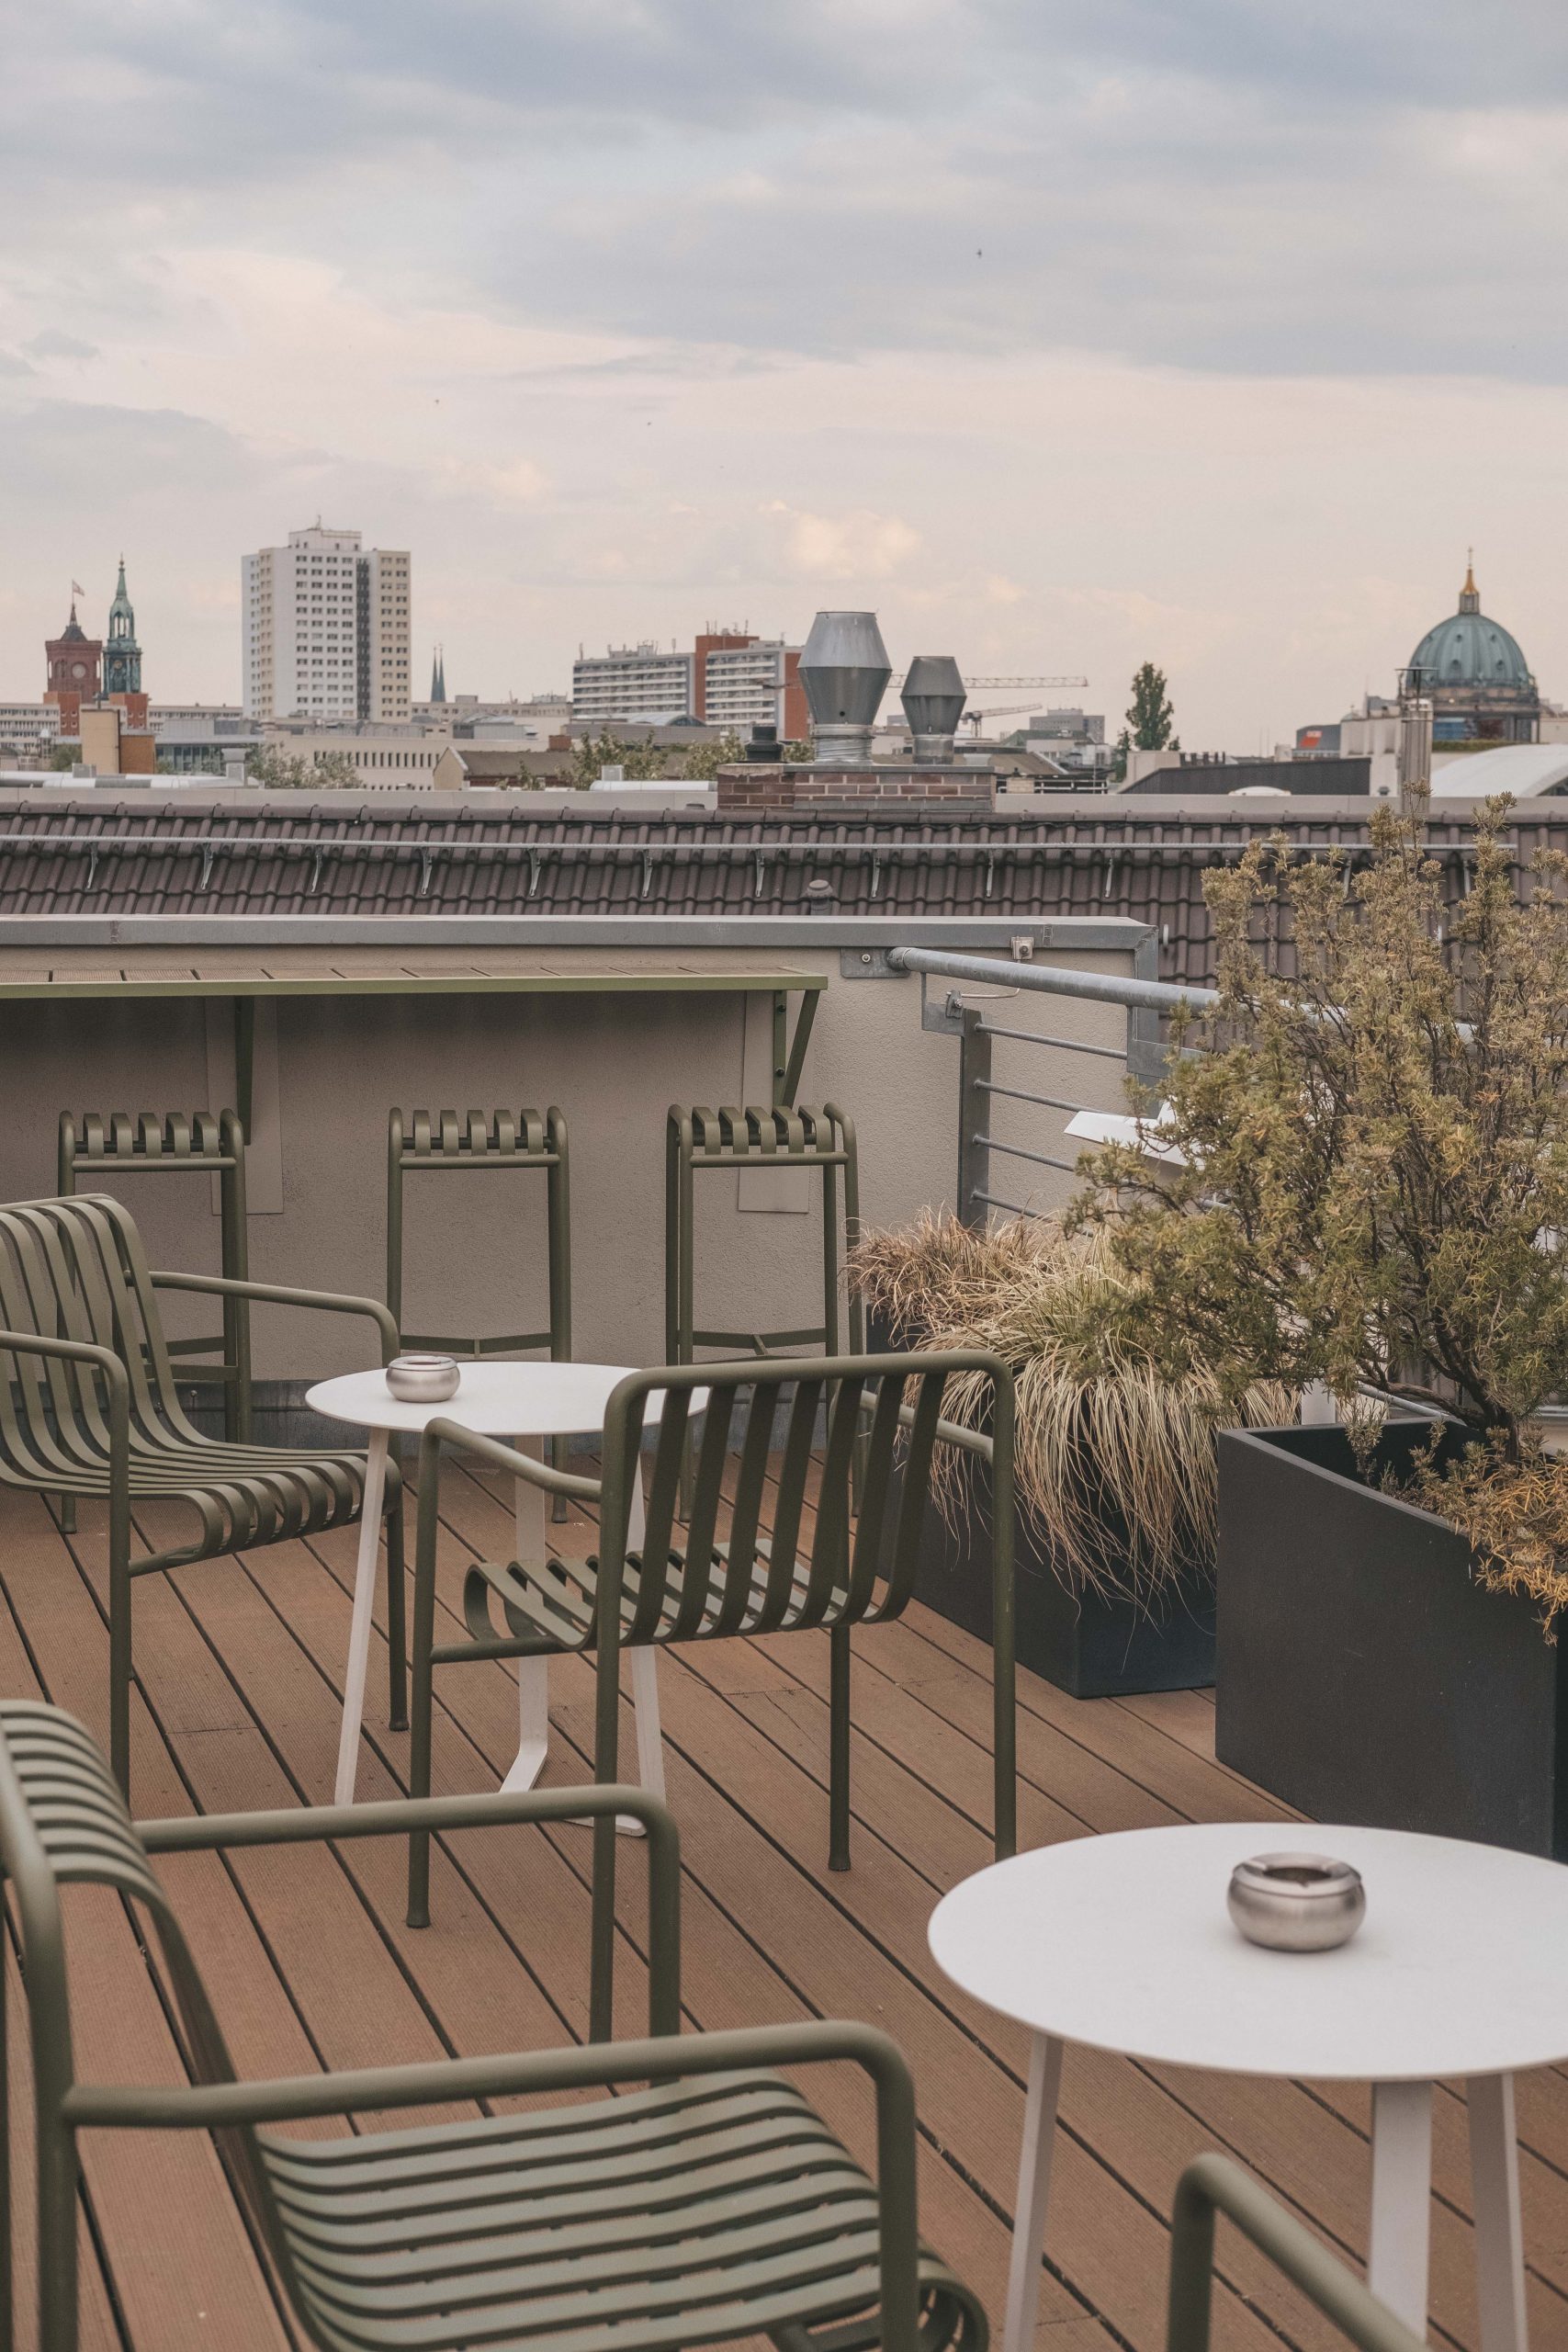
pixel 1529 770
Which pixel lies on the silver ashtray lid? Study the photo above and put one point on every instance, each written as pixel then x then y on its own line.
pixel 1296 1902
pixel 423 1379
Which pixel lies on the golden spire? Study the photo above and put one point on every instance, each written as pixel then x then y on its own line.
pixel 1470 596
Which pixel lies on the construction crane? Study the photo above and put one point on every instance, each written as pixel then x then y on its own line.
pixel 972 718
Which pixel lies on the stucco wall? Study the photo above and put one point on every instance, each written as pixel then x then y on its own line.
pixel 613 1064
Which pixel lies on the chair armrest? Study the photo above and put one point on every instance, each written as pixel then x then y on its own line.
pixel 948 1432
pixel 33 1343
pixel 1214 2185
pixel 279 1294
pixel 441 1432
pixel 213 2107
pixel 194 1833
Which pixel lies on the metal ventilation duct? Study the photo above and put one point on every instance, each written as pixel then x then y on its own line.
pixel 844 669
pixel 933 701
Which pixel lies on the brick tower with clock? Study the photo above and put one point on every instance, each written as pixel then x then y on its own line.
pixel 74 661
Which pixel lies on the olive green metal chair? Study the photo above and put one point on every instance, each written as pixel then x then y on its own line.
pixel 1213 2186
pixel 767 1139
pixel 714 2204
pixel 89 1406
pixel 505 1143
pixel 742 1564
pixel 199 1143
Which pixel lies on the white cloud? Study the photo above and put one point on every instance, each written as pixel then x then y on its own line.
pixel 858 545
pixel 1067 335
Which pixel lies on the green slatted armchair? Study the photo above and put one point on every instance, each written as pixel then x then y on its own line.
pixel 1213 2185
pixel 741 1564
pixel 89 1406
pixel 713 2204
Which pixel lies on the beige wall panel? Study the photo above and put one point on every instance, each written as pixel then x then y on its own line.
pixel 475 1243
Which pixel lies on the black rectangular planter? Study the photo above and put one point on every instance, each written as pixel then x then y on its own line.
pixel 1093 1645
pixel 1363 1674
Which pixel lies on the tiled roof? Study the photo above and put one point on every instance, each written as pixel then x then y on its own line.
pixel 1082 857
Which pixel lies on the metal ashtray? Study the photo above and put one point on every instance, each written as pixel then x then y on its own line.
pixel 422 1380
pixel 1296 1902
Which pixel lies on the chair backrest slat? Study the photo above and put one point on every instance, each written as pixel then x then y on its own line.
pixel 795 1468
pixel 663 1509
pixel 830 1538
pixel 875 1466
pixel 702 1578
pixel 920 1444
pixel 746 1511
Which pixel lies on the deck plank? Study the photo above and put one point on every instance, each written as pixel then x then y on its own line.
pixel 241 1663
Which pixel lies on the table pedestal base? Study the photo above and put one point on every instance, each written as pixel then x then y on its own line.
pixel 533 1727
pixel 533 1673
pixel 1400 2239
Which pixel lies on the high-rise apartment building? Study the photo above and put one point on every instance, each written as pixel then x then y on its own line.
pixel 729 679
pixel 631 684
pixel 755 683
pixel 326 629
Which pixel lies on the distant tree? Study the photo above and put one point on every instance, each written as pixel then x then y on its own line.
pixel 1150 718
pixel 704 760
pixel 62 757
pixel 638 762
pixel 798 750
pixel 277 771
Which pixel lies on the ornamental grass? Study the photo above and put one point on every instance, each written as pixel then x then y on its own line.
pixel 1115 1460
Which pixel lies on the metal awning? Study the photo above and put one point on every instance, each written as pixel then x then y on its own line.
pixel 246 978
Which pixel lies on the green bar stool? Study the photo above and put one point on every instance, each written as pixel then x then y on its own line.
pixel 201 1143
pixel 508 1142
pixel 761 1139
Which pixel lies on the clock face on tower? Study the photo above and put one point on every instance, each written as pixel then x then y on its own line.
pixel 78 669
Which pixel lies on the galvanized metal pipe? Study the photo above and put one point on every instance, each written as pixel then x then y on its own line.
pixel 1100 987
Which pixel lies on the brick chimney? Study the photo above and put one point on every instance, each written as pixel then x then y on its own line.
pixel 760 787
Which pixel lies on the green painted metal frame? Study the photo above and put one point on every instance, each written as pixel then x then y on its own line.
pixel 199 1144
pixel 860 1569
pixel 1214 2185
pixel 89 1405
pixel 767 1140
pixel 62 1822
pixel 517 1143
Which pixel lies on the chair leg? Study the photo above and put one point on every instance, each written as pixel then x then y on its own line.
pixel 839 1748
pixel 397 1633
pixel 120 1660
pixel 419 1728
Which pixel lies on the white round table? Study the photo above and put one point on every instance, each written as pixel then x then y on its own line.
pixel 524 1403
pixel 1123 1942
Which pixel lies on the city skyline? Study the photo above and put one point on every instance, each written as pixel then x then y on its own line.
pixel 1063 342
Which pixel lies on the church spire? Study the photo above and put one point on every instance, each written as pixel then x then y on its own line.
pixel 438 675
pixel 122 655
pixel 1470 596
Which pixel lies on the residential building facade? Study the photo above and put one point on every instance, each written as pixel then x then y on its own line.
pixel 325 630
pixel 389 758
pixel 631 683
pixel 755 684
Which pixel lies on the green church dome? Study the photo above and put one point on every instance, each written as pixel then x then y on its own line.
pixel 1469 651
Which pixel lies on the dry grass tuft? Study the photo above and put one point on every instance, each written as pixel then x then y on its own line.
pixel 1115 1463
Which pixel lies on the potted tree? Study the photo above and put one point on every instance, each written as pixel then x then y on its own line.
pixel 1372 1193
pixel 1115 1475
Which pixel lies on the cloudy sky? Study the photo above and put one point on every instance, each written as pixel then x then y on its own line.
pixel 1065 333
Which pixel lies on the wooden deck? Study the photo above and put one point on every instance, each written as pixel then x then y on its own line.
pixel 307 1955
